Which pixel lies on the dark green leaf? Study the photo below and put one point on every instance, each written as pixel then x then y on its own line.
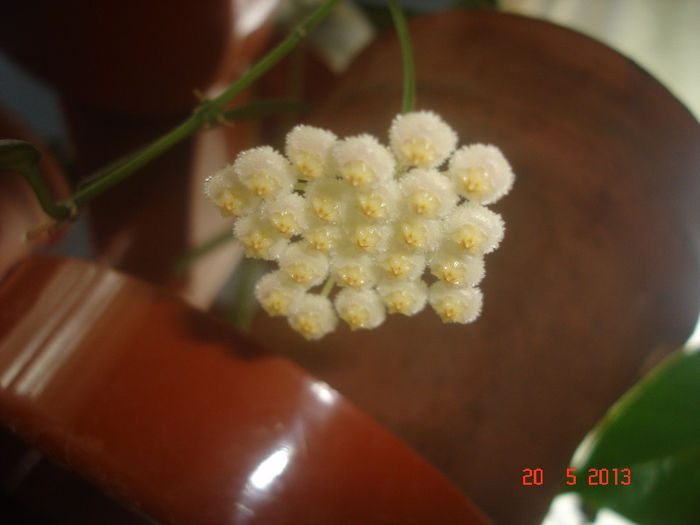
pixel 654 431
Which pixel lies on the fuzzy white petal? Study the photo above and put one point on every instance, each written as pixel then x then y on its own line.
pixel 312 316
pixel 428 193
pixel 454 304
pixel 360 308
pixel 474 228
pixel 309 149
pixel 353 268
pixel 323 236
pixel 276 292
pixel 259 239
pixel 265 172
pixel 303 264
pixel 423 235
pixel 421 138
pixel 401 263
pixel 368 236
pixel 225 191
pixel 328 199
pixel 380 202
pixel 452 265
pixel 403 297
pixel 362 161
pixel 286 213
pixel 481 173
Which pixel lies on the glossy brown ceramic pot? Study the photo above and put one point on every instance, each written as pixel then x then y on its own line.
pixel 595 280
pixel 177 417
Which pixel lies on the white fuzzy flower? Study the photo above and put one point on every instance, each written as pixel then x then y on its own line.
pixel 303 264
pixel 328 199
pixel 259 238
pixel 361 309
pixel 366 235
pixel 309 149
pixel 428 193
pixel 403 297
pixel 362 161
pixel 322 236
pixel 276 292
pixel 401 263
pixel 421 138
pixel 423 235
pixel 370 218
pixel 312 316
pixel 455 305
pixel 286 213
pixel 225 191
pixel 452 265
pixel 474 228
pixel 380 202
pixel 265 172
pixel 481 173
pixel 353 268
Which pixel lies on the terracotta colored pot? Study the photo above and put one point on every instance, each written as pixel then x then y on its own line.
pixel 595 280
pixel 179 418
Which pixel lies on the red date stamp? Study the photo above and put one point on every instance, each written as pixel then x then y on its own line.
pixel 594 476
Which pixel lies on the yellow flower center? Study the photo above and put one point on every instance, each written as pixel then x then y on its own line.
pixel 352 275
pixel 229 203
pixel 450 309
pixel 469 238
pixel 474 182
pixel 400 301
pixel 321 239
pixel 301 272
pixel 373 205
pixel 398 265
pixel 309 164
pixel 285 221
pixel 358 173
pixel 263 184
pixel 326 207
pixel 256 243
pixel 418 151
pixel 277 302
pixel 451 271
pixel 306 323
pixel 356 316
pixel 424 203
pixel 366 237
pixel 415 235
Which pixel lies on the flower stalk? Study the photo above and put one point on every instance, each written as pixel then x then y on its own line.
pixel 208 113
pixel 409 76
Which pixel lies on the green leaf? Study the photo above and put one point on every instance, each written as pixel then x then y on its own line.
pixel 18 156
pixel 654 431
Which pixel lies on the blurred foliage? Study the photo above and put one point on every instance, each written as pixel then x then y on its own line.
pixel 380 16
pixel 654 431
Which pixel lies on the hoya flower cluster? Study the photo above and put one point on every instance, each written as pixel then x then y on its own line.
pixel 370 219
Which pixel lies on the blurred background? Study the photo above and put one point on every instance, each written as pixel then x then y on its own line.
pixel 52 94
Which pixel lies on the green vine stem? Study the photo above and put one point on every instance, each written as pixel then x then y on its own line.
pixel 208 113
pixel 409 75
